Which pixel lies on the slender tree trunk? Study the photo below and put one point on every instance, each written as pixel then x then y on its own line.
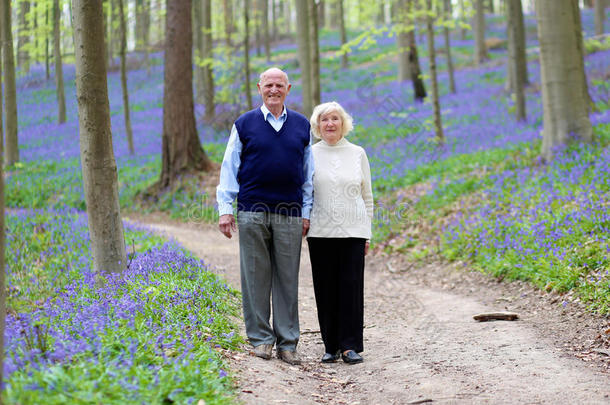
pixel 565 112
pixel 206 53
pixel 315 53
pixel 99 168
pixel 265 27
pixel 139 28
pixel 47 57
pixel 182 151
pixel 256 17
pixel 11 151
pixel 23 37
pixel 438 125
pixel 321 13
pixel 198 43
pixel 462 20
pixel 516 55
pixel 247 53
pixel 447 10
pixel 304 52
pixel 123 50
pixel 2 240
pixel 343 32
pixel 110 41
pixel 490 6
pixel 59 73
pixel 479 33
pixel 600 16
pixel 274 17
pixel 419 89
pixel 288 12
pixel 401 21
pixel 228 14
pixel 588 3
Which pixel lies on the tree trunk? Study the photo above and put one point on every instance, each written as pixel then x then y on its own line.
pixel 600 16
pixel 274 17
pixel 2 239
pixel 123 50
pixel 490 7
pixel 47 57
pixel 304 53
pixel 99 169
pixel 11 151
pixel 447 11
pixel 462 20
pixel 59 73
pixel 315 53
pixel 588 3
pixel 565 112
pixel 419 89
pixel 438 125
pixel 265 27
pixel 321 13
pixel 198 43
pixel 343 33
pixel 516 56
pixel 207 55
pixel 228 14
pixel 581 52
pixel 23 36
pixel 256 17
pixel 247 53
pixel 182 151
pixel 288 13
pixel 479 33
pixel 401 21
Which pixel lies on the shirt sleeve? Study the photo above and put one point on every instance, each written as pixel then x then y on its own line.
pixel 227 189
pixel 367 189
pixel 308 184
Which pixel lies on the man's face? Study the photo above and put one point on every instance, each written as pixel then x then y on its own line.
pixel 273 88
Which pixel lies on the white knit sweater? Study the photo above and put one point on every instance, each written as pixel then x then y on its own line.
pixel 342 194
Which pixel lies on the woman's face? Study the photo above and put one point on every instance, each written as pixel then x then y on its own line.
pixel 331 127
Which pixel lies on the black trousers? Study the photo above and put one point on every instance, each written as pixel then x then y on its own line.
pixel 337 266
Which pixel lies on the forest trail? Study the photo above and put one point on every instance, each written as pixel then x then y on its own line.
pixel 421 344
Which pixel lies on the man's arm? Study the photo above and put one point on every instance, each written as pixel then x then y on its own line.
pixel 227 190
pixel 307 187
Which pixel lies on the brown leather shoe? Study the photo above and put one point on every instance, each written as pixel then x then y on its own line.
pixel 290 357
pixel 263 351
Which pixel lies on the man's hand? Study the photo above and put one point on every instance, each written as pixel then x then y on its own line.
pixel 226 224
pixel 366 248
pixel 305 226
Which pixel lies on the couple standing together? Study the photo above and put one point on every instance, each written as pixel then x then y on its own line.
pixel 268 167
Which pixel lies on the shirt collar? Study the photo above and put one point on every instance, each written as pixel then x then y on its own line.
pixel 266 113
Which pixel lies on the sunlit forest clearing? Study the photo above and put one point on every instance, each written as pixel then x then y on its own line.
pixel 462 176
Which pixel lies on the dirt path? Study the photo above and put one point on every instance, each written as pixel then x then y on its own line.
pixel 421 344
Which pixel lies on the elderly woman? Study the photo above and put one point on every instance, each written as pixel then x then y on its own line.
pixel 340 231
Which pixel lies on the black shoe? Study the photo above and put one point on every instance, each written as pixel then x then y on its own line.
pixel 351 357
pixel 331 358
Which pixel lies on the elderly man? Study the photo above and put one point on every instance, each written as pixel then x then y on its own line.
pixel 268 166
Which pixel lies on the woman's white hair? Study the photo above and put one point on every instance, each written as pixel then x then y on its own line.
pixel 325 108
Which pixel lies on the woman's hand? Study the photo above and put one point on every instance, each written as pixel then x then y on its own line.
pixel 366 248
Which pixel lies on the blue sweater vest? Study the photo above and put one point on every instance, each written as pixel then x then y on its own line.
pixel 271 171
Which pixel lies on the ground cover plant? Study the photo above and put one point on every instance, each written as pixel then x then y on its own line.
pixel 484 198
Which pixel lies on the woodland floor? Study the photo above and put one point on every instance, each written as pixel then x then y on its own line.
pixel 421 342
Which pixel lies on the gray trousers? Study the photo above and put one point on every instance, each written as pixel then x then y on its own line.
pixel 269 256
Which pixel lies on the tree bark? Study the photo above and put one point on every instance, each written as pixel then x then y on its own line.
pixel 447 12
pixel 343 33
pixel 315 53
pixel 198 44
pixel 304 52
pixel 600 16
pixel 479 33
pixel 581 51
pixel 438 125
pixel 99 168
pixel 23 36
pixel 2 238
pixel 462 20
pixel 265 27
pixel 401 21
pixel 59 73
pixel 11 151
pixel 247 53
pixel 565 111
pixel 182 151
pixel 419 89
pixel 46 45
pixel 516 56
pixel 228 15
pixel 123 51
pixel 207 55
pixel 256 17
